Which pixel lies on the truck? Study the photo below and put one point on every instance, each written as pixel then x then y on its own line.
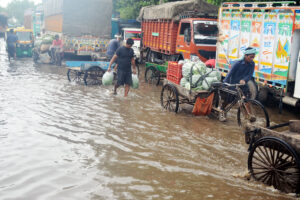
pixel 274 30
pixel 179 30
pixel 82 25
pixel 118 24
pixel 28 19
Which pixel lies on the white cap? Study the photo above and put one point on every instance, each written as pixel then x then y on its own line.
pixel 118 36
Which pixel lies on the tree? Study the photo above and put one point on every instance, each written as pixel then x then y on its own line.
pixel 130 9
pixel 16 9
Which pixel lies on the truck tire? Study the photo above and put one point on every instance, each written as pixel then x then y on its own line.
pixel 252 88
pixel 262 95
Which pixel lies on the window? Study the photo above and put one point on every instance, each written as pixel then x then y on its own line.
pixel 183 27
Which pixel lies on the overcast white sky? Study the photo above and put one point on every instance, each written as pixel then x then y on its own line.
pixel 3 3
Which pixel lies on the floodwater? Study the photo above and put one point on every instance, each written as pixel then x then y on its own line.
pixel 60 140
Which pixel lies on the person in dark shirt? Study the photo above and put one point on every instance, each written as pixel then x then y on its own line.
pixel 125 59
pixel 240 73
pixel 11 41
pixel 113 45
pixel 242 70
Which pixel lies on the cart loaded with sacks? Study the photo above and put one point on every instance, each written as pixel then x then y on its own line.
pixel 207 94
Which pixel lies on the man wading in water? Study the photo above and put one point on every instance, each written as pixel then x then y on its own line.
pixel 125 59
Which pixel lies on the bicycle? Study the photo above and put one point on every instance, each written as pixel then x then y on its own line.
pixel 249 110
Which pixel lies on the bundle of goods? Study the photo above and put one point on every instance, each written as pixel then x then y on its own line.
pixel 196 76
pixel 47 39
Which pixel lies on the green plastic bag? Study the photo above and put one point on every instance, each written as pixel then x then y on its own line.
pixel 135 81
pixel 107 78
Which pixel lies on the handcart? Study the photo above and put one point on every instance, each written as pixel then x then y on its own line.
pixel 274 155
pixel 90 72
pixel 249 111
pixel 155 72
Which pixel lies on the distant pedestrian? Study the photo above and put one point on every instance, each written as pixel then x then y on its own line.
pixel 11 42
pixel 125 59
pixel 113 45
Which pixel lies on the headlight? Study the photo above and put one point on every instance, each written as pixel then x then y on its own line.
pixel 30 45
pixel 18 45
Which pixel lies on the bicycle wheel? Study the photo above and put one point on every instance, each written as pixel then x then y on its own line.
pixel 252 113
pixel 169 98
pixel 151 75
pixel 93 76
pixel 74 76
pixel 274 162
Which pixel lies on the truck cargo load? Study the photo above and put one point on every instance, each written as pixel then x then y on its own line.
pixel 82 24
pixel 174 10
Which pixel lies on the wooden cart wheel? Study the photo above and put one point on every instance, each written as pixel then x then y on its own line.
pixel 253 113
pixel 93 76
pixel 169 98
pixel 274 162
pixel 152 75
pixel 74 76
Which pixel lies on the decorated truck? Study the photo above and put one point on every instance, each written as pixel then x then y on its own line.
pixel 82 25
pixel 272 28
pixel 179 30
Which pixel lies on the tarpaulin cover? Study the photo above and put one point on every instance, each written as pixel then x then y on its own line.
pixel 173 10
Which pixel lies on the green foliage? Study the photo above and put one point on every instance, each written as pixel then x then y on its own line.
pixel 130 9
pixel 16 9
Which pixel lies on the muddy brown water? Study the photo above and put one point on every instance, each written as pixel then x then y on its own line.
pixel 61 140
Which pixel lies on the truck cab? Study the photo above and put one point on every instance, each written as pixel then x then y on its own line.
pixel 197 37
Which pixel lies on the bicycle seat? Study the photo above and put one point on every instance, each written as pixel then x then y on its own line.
pixel 216 84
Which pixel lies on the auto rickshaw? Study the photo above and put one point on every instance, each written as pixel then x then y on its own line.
pixel 25 42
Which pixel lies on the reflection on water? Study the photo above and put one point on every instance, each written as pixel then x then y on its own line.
pixel 61 140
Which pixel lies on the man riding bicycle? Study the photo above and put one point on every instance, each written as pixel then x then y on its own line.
pixel 240 73
pixel 11 44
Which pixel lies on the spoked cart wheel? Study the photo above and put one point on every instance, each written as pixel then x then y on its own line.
pixel 169 98
pixel 152 75
pixel 253 113
pixel 74 76
pixel 274 162
pixel 93 76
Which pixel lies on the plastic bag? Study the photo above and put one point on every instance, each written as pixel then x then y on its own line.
pixel 135 81
pixel 107 78
pixel 199 68
pixel 208 81
pixel 216 74
pixel 203 106
pixel 183 81
pixel 186 70
pixel 187 86
pixel 195 79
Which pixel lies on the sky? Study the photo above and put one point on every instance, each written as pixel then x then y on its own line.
pixel 3 3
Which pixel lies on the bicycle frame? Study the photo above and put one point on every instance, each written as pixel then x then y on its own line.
pixel 238 96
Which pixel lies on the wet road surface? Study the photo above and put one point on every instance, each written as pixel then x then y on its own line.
pixel 61 140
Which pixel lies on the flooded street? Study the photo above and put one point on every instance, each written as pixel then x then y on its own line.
pixel 61 140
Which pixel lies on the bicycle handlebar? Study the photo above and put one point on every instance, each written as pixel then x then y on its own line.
pixel 233 85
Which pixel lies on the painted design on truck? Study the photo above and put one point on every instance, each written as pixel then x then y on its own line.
pixel 270 33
